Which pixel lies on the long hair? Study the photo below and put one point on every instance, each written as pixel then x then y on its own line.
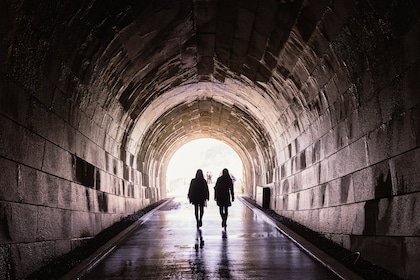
pixel 225 173
pixel 199 174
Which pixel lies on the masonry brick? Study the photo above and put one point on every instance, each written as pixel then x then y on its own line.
pixel 320 100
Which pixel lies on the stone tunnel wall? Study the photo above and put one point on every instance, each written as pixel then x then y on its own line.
pixel 58 186
pixel 352 174
pixel 64 177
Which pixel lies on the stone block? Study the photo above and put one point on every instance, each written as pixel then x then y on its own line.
pixel 305 140
pixel 324 195
pixel 299 216
pixel 404 171
pixel 342 108
pixel 321 127
pixel 8 180
pixel 57 161
pixel 386 252
pixel 363 184
pixel 81 225
pixel 317 196
pixel 323 171
pixel 14 102
pixel 341 134
pixel 346 241
pixel 369 116
pixel 27 258
pixel 379 148
pixel 280 203
pixel 347 189
pixel 309 177
pixel 333 168
pixel 402 136
pixel 354 127
pixel 79 199
pixel 309 155
pixel 37 187
pixel 61 105
pixel 292 203
pixel 333 193
pixel 328 144
pixel 92 200
pixel 287 185
pixel 297 182
pixel 45 123
pixel 399 215
pixel 20 221
pixel 336 238
pixel 305 199
pixel 53 224
pixel 353 219
pixel 62 246
pixel 77 142
pixel 330 220
pixel 348 160
pixel 94 155
pixel 64 194
pixel 340 191
pixel 411 83
pixel 287 168
pixel 412 247
pixel 21 145
pixel 6 261
pixel 312 220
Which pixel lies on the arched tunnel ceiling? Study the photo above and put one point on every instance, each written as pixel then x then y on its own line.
pixel 204 109
pixel 236 46
pixel 158 68
pixel 209 115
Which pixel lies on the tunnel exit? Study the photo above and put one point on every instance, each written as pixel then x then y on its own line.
pixel 208 154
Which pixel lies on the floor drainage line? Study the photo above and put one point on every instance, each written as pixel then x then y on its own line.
pixel 333 265
pixel 89 263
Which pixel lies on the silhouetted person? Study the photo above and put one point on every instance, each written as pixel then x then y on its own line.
pixel 223 192
pixel 198 193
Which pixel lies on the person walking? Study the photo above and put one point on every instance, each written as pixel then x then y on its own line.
pixel 223 193
pixel 198 193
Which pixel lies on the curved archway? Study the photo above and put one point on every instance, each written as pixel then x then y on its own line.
pixel 319 99
pixel 206 110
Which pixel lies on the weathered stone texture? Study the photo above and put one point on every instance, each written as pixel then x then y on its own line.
pixel 321 101
pixel 21 221
pixel 20 144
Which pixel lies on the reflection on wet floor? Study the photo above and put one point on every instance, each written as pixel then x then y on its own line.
pixel 169 246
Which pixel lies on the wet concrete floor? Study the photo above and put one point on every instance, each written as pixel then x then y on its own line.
pixel 167 246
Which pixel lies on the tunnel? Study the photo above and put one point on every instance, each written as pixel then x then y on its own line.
pixel 319 99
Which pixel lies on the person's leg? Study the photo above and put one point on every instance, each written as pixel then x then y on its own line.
pixel 196 214
pixel 201 214
pixel 225 210
pixel 222 215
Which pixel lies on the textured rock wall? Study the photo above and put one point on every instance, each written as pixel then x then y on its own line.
pixel 58 185
pixel 320 97
pixel 63 178
pixel 352 174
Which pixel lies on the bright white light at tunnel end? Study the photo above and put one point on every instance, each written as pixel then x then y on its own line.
pixel 207 154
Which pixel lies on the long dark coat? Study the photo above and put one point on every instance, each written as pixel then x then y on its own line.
pixel 223 190
pixel 199 191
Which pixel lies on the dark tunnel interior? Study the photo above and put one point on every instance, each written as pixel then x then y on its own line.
pixel 319 99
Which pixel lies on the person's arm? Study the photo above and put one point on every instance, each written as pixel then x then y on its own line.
pixel 190 190
pixel 207 191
